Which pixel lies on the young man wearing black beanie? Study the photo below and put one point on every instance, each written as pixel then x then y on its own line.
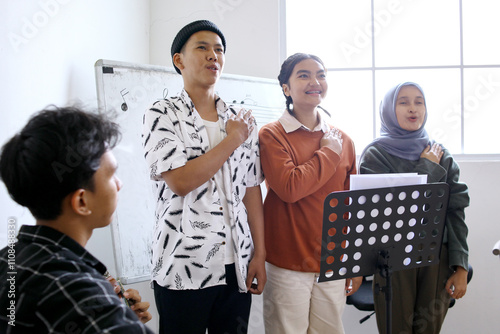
pixel 208 251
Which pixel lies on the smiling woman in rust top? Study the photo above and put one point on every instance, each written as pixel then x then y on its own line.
pixel 303 159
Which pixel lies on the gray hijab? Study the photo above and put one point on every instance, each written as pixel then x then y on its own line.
pixel 394 139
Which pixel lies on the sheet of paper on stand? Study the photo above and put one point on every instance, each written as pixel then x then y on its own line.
pixel 371 181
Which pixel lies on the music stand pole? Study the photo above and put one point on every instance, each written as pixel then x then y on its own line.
pixel 386 272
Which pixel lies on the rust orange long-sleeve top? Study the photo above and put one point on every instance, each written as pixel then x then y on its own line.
pixel 299 175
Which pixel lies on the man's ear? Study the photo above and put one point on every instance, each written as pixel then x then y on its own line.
pixel 79 202
pixel 177 59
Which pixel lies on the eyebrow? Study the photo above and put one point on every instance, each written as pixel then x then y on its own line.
pixel 406 97
pixel 309 72
pixel 206 43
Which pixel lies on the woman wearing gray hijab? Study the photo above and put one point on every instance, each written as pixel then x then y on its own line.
pixel 420 295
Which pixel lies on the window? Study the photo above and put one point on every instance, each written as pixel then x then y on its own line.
pixel 448 47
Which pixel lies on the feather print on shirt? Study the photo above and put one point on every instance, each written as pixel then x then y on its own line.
pixel 199 265
pixel 213 251
pixel 155 123
pixel 236 196
pixel 235 174
pixel 176 245
pixel 220 234
pixel 176 213
pixel 205 281
pixel 158 266
pixel 191 124
pixel 192 248
pixel 215 213
pixel 169 269
pixel 145 143
pixel 170 153
pixel 241 227
pixel 153 169
pixel 188 273
pixel 157 110
pixel 201 194
pixel 166 241
pixel 193 210
pixel 194 136
pixel 196 148
pixel 172 226
pixel 166 130
pixel 246 145
pixel 178 282
pixel 160 193
pixel 172 106
pixel 200 225
pixel 167 222
pixel 198 237
pixel 162 143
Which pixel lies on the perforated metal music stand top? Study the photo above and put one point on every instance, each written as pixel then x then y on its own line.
pixel 407 222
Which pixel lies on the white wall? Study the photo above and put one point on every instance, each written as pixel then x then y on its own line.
pixel 51 60
pixel 48 49
pixel 251 29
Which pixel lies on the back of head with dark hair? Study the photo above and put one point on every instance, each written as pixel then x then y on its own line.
pixel 56 153
pixel 287 70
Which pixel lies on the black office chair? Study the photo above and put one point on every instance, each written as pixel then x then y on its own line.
pixel 363 298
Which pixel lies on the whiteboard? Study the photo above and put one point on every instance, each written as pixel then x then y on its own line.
pixel 126 91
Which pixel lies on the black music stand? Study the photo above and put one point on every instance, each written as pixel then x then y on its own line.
pixel 382 230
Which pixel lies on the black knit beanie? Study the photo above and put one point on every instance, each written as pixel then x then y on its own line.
pixel 186 32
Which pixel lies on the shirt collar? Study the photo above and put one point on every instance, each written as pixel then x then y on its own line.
pixel 220 105
pixel 291 124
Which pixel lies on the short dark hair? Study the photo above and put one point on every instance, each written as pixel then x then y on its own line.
pixel 56 153
pixel 287 70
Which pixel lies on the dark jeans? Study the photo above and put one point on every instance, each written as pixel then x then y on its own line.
pixel 220 309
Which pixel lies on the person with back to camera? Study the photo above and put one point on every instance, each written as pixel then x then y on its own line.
pixel 303 159
pixel 61 168
pixel 421 296
pixel 204 161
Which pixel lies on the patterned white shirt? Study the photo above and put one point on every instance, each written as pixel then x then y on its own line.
pixel 190 233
